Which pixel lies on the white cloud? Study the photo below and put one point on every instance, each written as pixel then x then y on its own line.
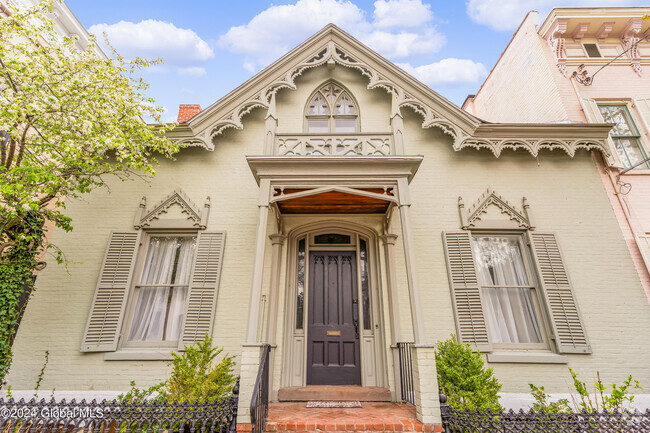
pixel 507 15
pixel 447 72
pixel 276 30
pixel 196 71
pixel 401 13
pixel 404 44
pixel 152 38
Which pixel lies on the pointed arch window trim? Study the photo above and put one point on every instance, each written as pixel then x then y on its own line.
pixel 332 109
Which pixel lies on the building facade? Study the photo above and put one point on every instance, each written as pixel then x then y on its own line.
pixel 333 206
pixel 585 65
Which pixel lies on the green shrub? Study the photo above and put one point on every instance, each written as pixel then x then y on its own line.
pixel 542 402
pixel 194 377
pixel 464 379
pixel 619 398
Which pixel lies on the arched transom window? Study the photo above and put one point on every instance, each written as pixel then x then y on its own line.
pixel 332 109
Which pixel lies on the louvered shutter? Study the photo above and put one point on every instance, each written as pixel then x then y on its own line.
pixel 465 290
pixel 204 282
pixel 567 326
pixel 107 311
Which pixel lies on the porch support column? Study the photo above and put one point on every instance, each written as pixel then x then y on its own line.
pixel 277 240
pixel 409 256
pixel 258 264
pixel 252 349
pixel 393 307
pixel 425 384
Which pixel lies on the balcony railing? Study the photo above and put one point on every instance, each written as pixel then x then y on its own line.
pixel 334 144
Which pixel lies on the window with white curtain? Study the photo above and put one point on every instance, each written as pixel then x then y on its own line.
pixel 510 302
pixel 332 109
pixel 158 301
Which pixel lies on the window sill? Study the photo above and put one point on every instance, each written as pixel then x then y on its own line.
pixel 637 172
pixel 528 357
pixel 139 355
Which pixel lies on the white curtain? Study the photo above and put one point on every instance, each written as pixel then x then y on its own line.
pixel 168 261
pixel 510 313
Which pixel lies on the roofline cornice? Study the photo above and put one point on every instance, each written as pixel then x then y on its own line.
pixel 589 13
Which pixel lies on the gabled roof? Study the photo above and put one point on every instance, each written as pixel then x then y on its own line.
pixel 333 46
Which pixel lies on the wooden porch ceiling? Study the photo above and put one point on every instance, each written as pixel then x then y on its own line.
pixel 333 202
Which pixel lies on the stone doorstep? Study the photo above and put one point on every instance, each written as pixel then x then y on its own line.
pixel 334 393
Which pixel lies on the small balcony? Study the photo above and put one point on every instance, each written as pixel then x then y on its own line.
pixel 358 144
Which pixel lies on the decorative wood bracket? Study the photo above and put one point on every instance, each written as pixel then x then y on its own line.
pixel 629 38
pixel 193 217
pixel 472 218
pixel 580 31
pixel 557 42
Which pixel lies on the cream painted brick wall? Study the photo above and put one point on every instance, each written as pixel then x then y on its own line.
pixel 565 194
pixel 566 197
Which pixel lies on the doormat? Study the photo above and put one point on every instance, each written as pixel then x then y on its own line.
pixel 332 404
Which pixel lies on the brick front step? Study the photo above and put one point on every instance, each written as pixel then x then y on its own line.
pixel 372 417
pixel 334 392
pixel 321 427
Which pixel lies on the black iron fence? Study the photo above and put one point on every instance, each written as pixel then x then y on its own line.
pixel 406 372
pixel 460 421
pixel 260 399
pixel 42 416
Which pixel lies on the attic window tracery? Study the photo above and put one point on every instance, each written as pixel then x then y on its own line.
pixel 332 109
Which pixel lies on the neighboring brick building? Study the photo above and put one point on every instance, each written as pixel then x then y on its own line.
pixel 586 65
pixel 332 206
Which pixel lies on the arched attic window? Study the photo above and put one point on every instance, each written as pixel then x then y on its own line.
pixel 331 109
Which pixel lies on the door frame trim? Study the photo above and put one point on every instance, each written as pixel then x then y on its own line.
pixel 294 364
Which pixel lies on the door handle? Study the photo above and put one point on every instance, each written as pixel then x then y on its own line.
pixel 356 329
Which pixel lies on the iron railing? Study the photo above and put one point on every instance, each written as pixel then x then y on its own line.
pixel 43 416
pixel 260 399
pixel 406 372
pixel 461 421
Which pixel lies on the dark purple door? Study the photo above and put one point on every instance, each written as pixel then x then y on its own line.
pixel 333 322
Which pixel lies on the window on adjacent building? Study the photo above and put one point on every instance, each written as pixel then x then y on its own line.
pixel 592 50
pixel 161 291
pixel 332 109
pixel 509 295
pixel 625 135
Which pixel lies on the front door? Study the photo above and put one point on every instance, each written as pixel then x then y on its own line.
pixel 333 319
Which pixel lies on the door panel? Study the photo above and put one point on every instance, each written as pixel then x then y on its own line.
pixel 333 322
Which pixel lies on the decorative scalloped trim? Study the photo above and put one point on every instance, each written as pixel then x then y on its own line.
pixel 533 146
pixel 488 198
pixel 176 197
pixel 332 53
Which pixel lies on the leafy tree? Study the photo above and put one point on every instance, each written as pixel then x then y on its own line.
pixel 463 378
pixel 69 118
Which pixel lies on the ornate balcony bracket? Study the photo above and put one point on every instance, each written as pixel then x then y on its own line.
pixel 557 42
pixel 630 40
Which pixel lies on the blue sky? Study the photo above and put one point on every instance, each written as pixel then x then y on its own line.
pixel 211 47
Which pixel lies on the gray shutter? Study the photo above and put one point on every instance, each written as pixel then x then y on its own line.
pixel 107 311
pixel 204 282
pixel 465 290
pixel 567 327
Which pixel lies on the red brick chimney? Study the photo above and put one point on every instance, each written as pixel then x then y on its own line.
pixel 187 111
